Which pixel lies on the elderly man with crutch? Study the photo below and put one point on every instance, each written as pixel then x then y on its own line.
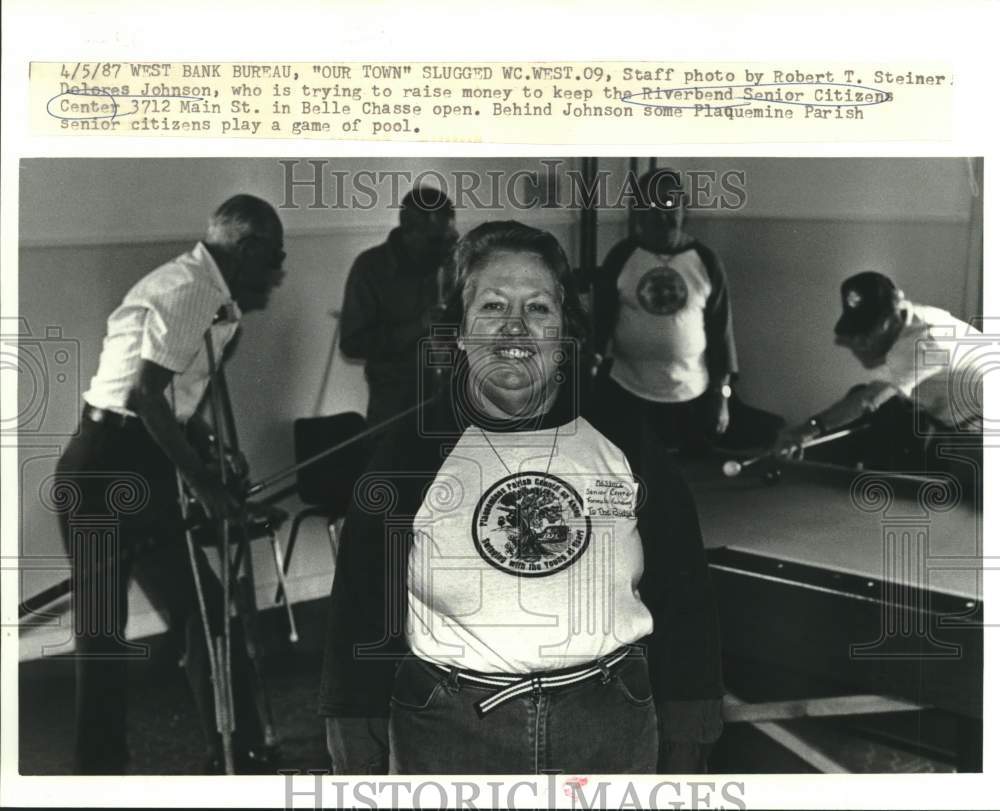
pixel 156 362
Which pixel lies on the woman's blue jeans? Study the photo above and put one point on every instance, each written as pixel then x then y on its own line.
pixel 606 725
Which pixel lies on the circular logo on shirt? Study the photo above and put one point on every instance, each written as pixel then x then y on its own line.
pixel 530 524
pixel 662 291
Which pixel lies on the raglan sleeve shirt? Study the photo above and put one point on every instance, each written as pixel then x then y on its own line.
pixel 718 316
pixel 721 343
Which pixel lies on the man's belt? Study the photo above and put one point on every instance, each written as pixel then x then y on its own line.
pixel 510 687
pixel 106 417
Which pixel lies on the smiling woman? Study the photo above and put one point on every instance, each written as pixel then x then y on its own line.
pixel 520 318
pixel 518 607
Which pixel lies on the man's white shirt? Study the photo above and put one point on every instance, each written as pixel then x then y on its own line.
pixel 938 362
pixel 163 319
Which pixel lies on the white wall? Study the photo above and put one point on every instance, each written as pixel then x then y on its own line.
pixel 90 228
pixel 107 201
pixel 863 189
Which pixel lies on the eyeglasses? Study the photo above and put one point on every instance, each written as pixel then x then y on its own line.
pixel 277 250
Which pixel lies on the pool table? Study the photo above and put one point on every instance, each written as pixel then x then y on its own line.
pixel 869 581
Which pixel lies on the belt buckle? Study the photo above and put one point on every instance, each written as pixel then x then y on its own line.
pixel 107 417
pixel 96 415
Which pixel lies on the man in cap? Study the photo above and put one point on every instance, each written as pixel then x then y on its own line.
pixel 662 312
pixel 926 374
pixel 393 293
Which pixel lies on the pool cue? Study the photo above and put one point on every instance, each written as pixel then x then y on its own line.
pixel 325 380
pixel 269 481
pixel 47 596
pixel 35 603
pixel 733 468
pixel 291 470
pixel 588 238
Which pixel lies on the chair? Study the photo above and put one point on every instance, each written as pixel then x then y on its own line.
pixel 327 485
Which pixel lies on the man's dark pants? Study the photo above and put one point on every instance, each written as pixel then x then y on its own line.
pixel 116 493
pixel 620 415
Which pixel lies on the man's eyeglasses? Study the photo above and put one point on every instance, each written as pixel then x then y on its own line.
pixel 277 250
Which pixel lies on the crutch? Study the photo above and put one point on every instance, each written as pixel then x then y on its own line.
pixel 217 647
pixel 242 573
pixel 241 569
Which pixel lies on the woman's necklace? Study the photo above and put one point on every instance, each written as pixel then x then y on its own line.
pixel 548 464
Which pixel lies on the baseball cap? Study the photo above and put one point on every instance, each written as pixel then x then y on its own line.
pixel 866 298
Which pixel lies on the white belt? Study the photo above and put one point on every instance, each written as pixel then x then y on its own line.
pixel 513 686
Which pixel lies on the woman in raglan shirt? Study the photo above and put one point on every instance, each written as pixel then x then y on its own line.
pixel 512 594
